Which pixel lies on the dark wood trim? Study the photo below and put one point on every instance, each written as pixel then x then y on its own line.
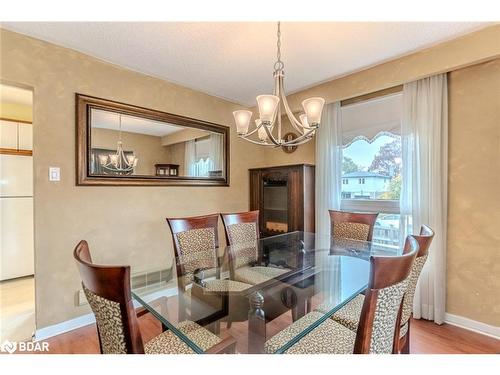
pixel 371 95
pixel 85 103
pixel 14 120
pixel 13 151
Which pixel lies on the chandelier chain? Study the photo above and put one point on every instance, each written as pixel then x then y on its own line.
pixel 279 64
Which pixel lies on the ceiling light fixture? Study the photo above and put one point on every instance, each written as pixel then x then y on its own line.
pixel 270 113
pixel 118 162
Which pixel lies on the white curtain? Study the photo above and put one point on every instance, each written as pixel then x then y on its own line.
pixel 190 158
pixel 424 189
pixel 328 186
pixel 216 152
pixel 328 166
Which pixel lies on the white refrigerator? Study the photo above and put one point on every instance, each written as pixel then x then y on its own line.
pixel 16 216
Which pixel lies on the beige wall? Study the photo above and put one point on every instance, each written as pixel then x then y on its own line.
pixel 177 155
pixel 124 225
pixel 474 202
pixel 183 136
pixel 147 148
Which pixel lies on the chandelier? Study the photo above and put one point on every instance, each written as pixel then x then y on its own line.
pixel 270 113
pixel 119 163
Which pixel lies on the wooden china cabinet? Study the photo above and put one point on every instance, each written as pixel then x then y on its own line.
pixel 284 195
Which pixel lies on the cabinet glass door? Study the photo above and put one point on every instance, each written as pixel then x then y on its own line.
pixel 275 206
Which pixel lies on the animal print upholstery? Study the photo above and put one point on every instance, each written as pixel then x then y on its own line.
pixel 197 250
pixel 244 254
pixel 258 274
pixel 225 286
pixel 349 315
pixel 416 269
pixel 242 233
pixel 386 313
pixel 354 231
pixel 328 337
pixel 169 343
pixel 109 323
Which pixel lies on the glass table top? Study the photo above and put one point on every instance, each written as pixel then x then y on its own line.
pixel 253 291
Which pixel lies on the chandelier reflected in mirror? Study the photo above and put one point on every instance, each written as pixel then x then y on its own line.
pixel 268 126
pixel 118 162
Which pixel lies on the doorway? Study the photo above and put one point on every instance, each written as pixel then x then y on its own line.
pixel 17 284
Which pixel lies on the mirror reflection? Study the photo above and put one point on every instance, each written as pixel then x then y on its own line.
pixel 124 145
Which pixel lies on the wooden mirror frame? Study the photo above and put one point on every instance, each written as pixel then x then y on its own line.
pixel 85 103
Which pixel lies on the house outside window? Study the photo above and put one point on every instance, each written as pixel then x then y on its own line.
pixel 371 168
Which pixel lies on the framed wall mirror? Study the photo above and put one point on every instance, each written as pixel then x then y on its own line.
pixel 122 144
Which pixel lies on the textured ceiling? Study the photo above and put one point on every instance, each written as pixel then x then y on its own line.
pixel 235 60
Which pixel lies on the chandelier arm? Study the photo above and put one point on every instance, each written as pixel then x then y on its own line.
pixel 260 143
pixel 252 132
pixel 295 123
pixel 116 169
pixel 277 92
pixel 271 137
pixel 288 144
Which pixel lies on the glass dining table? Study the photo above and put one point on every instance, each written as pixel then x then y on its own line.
pixel 275 281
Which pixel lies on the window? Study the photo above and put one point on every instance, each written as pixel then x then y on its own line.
pixel 372 157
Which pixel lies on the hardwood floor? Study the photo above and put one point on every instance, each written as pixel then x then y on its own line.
pixel 427 338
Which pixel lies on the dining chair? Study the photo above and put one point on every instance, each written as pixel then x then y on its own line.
pixel 242 234
pixel 352 225
pixel 196 247
pixel 107 289
pixel 350 314
pixel 377 329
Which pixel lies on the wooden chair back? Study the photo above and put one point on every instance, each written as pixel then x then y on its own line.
pixel 195 244
pixel 107 289
pixel 424 241
pixel 352 225
pixel 381 311
pixel 241 226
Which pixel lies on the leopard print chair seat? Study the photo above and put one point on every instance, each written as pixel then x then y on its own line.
pixel 349 315
pixel 375 332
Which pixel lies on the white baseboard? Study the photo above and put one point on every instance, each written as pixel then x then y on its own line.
pixel 473 325
pixel 63 327
pixel 81 321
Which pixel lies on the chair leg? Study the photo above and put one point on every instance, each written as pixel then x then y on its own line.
pixel 406 347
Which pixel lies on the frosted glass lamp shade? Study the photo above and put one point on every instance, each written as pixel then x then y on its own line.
pixel 103 159
pixel 304 122
pixel 113 159
pixel 242 120
pixel 131 159
pixel 267 107
pixel 313 108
